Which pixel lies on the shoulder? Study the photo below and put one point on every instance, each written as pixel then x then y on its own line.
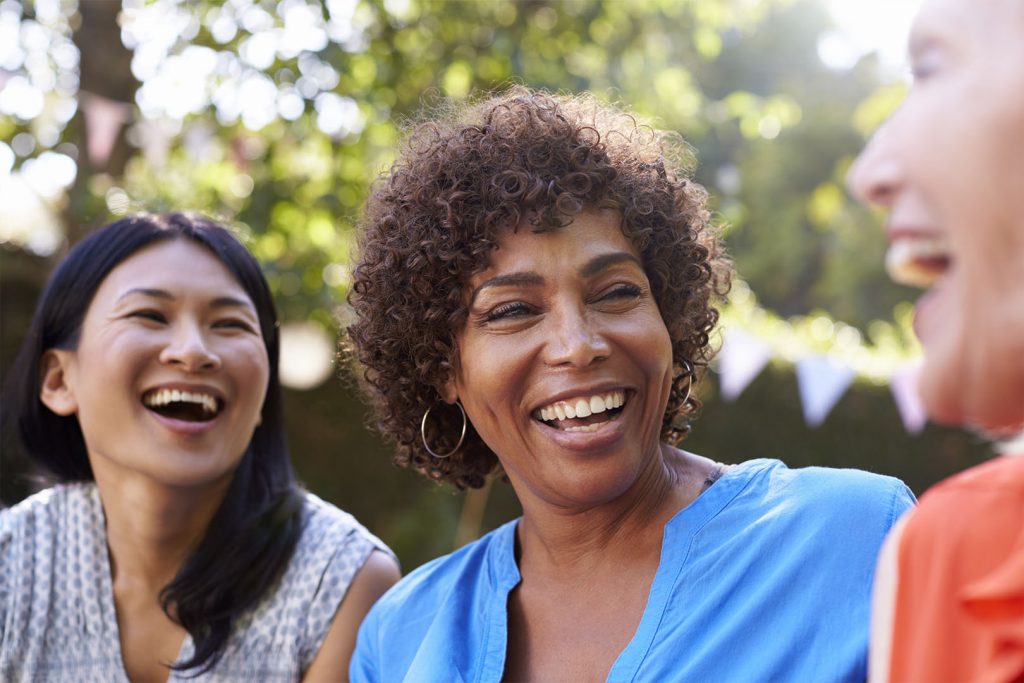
pixel 816 502
pixel 35 536
pixel 332 547
pixel 974 508
pixel 845 491
pixel 325 524
pixel 44 513
pixel 294 617
pixel 432 583
pixel 432 614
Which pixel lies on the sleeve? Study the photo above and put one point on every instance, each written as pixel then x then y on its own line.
pixel 903 501
pixel 346 550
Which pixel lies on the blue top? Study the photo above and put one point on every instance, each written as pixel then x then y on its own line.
pixel 765 576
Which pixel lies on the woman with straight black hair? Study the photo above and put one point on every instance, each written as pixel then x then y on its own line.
pixel 175 543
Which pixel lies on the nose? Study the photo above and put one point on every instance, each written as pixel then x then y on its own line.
pixel 875 176
pixel 189 349
pixel 576 339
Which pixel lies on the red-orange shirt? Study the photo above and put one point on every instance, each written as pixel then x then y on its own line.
pixel 957 608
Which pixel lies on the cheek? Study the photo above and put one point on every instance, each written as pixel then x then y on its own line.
pixel 652 342
pixel 250 366
pixel 478 381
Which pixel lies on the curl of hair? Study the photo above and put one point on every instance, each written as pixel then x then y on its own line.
pixel 252 535
pixel 461 181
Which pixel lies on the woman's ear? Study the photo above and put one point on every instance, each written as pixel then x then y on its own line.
pixel 55 391
pixel 449 393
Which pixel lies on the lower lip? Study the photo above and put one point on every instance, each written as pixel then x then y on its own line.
pixel 183 427
pixel 604 436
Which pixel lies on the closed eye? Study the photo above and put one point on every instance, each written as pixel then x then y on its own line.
pixel 513 309
pixel 235 323
pixel 624 291
pixel 148 314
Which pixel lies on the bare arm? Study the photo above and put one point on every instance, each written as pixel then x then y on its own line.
pixel 378 573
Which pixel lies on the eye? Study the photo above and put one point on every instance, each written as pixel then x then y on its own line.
pixel 622 291
pixel 235 324
pixel 921 72
pixel 926 64
pixel 148 314
pixel 513 309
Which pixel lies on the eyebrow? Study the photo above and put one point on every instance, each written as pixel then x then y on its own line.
pixel 591 268
pixel 219 302
pixel 599 263
pixel 510 280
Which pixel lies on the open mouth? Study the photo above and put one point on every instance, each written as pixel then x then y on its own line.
pixel 583 413
pixel 188 406
pixel 918 260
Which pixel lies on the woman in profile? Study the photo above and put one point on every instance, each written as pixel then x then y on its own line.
pixel 949 167
pixel 176 544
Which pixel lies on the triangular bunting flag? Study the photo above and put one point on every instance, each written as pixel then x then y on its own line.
pixel 104 119
pixel 822 383
pixel 741 359
pixel 905 392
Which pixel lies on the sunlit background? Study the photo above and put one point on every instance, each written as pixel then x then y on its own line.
pixel 275 116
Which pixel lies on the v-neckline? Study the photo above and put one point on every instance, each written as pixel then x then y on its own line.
pixel 678 533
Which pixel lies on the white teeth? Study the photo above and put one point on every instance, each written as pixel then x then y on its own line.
pixel 162 397
pixel 584 406
pixel 586 428
pixel 917 261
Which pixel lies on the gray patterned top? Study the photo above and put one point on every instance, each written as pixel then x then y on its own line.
pixel 57 620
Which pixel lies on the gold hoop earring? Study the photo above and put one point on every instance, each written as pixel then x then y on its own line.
pixel 423 433
pixel 688 367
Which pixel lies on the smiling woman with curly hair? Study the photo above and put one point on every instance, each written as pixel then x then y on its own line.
pixel 534 295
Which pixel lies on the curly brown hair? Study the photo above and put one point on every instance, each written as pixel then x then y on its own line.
pixel 433 220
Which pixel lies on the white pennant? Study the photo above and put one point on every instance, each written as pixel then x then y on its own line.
pixel 741 359
pixel 822 383
pixel 104 119
pixel 904 386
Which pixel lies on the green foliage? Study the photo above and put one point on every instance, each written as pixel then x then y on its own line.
pixel 283 143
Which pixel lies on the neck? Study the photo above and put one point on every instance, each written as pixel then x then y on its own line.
pixel 151 528
pixel 620 528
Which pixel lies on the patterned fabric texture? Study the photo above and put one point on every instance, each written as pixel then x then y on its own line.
pixel 57 618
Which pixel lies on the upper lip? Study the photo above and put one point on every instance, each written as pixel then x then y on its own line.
pixel 902 231
pixel 189 387
pixel 576 392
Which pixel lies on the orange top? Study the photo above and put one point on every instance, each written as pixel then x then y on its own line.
pixel 957 609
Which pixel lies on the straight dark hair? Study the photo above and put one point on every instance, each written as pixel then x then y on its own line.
pixel 253 534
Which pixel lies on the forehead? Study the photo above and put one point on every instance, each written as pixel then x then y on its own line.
pixel 984 24
pixel 591 233
pixel 173 265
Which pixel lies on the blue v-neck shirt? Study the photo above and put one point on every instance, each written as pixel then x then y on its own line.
pixel 764 577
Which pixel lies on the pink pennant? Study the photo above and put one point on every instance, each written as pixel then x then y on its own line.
pixel 104 119
pixel 904 385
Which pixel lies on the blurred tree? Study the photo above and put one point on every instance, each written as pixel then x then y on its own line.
pixel 275 115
